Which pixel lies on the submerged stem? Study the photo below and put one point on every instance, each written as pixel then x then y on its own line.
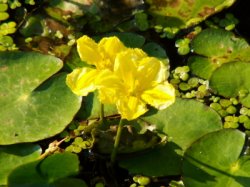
pixel 117 141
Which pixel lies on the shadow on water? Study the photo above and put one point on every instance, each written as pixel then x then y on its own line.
pixel 241 11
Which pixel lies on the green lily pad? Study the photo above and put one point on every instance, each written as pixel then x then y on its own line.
pixel 16 155
pixel 183 122
pixel 44 173
pixel 184 13
pixel 215 160
pixel 154 49
pixel 220 47
pixel 32 108
pixel 232 80
pixel 159 161
pixel 201 66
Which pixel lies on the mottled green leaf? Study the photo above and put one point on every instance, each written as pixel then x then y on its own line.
pixel 220 47
pixel 219 44
pixel 215 161
pixel 232 80
pixel 184 13
pixel 201 66
pixel 12 156
pixel 32 108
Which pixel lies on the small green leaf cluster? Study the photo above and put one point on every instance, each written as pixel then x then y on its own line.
pixel 141 21
pixel 13 4
pixel 176 183
pixel 6 42
pixel 7 24
pixel 233 113
pixel 183 46
pixel 188 86
pixel 140 181
pixel 3 14
pixel 228 23
pixel 79 144
pixel 166 32
pixel 78 136
pixel 6 28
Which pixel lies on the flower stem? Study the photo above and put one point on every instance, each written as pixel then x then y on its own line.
pixel 117 141
pixel 101 112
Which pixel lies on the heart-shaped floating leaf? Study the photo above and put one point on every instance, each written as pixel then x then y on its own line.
pixel 215 161
pixel 154 49
pixel 220 47
pixel 232 80
pixel 183 122
pixel 159 161
pixel 184 13
pixel 32 109
pixel 45 172
pixel 13 156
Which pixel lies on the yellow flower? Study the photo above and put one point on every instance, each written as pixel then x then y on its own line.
pixel 123 76
pixel 101 55
pixel 137 80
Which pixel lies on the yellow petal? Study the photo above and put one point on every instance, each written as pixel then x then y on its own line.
pixel 82 81
pixel 107 95
pixel 161 96
pixel 107 78
pixel 88 50
pixel 109 86
pixel 154 70
pixel 126 67
pixel 148 72
pixel 110 47
pixel 128 56
pixel 131 107
pixel 164 71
